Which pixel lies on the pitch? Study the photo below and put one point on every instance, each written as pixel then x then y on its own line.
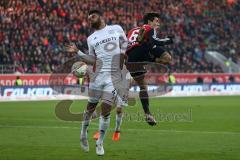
pixel 200 128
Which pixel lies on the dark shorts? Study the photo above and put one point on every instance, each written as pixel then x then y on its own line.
pixel 140 56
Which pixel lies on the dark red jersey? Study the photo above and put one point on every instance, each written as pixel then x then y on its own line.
pixel 138 35
pixel 145 34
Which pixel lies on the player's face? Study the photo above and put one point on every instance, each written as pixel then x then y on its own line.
pixel 155 23
pixel 95 20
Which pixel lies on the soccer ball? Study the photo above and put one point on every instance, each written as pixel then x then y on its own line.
pixel 79 69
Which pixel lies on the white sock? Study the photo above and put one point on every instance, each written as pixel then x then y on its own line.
pixel 118 121
pixel 104 123
pixel 85 123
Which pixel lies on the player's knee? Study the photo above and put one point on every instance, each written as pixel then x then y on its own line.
pixel 106 107
pixel 165 58
pixel 119 110
pixel 168 56
pixel 91 107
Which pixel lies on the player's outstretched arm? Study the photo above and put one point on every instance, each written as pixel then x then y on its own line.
pixel 72 49
pixel 159 42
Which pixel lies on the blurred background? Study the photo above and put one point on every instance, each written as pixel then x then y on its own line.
pixel 206 64
pixel 206 48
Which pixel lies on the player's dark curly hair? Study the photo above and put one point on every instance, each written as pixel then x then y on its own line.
pixel 150 17
pixel 96 11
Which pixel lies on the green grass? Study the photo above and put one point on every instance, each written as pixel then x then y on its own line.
pixel 206 128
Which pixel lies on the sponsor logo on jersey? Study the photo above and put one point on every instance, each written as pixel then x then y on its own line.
pixel 105 41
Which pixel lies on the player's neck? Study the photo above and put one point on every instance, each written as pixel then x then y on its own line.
pixel 103 24
pixel 152 26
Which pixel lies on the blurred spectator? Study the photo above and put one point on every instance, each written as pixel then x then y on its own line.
pixel 171 78
pixel 18 82
pixel 231 79
pixel 199 80
pixel 33 33
pixel 214 80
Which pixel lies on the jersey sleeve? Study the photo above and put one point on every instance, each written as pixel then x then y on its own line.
pixel 90 57
pixel 122 40
pixel 157 41
pixel 90 47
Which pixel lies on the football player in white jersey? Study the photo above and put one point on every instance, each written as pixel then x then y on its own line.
pixel 107 45
pixel 120 103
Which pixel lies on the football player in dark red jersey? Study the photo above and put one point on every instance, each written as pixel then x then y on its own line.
pixel 145 47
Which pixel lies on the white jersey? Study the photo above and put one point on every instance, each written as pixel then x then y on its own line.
pixel 107 44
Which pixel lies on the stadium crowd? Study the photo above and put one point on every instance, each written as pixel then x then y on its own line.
pixel 33 33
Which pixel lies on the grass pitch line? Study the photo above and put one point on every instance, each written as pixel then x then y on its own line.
pixel 126 129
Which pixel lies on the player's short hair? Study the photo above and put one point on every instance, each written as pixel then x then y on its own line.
pixel 96 11
pixel 150 17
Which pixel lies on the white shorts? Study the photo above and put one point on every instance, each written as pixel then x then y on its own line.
pixel 102 86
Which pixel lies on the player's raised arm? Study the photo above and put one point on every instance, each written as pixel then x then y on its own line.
pixel 89 59
pixel 157 41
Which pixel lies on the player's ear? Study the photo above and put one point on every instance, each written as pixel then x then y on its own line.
pixel 150 22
